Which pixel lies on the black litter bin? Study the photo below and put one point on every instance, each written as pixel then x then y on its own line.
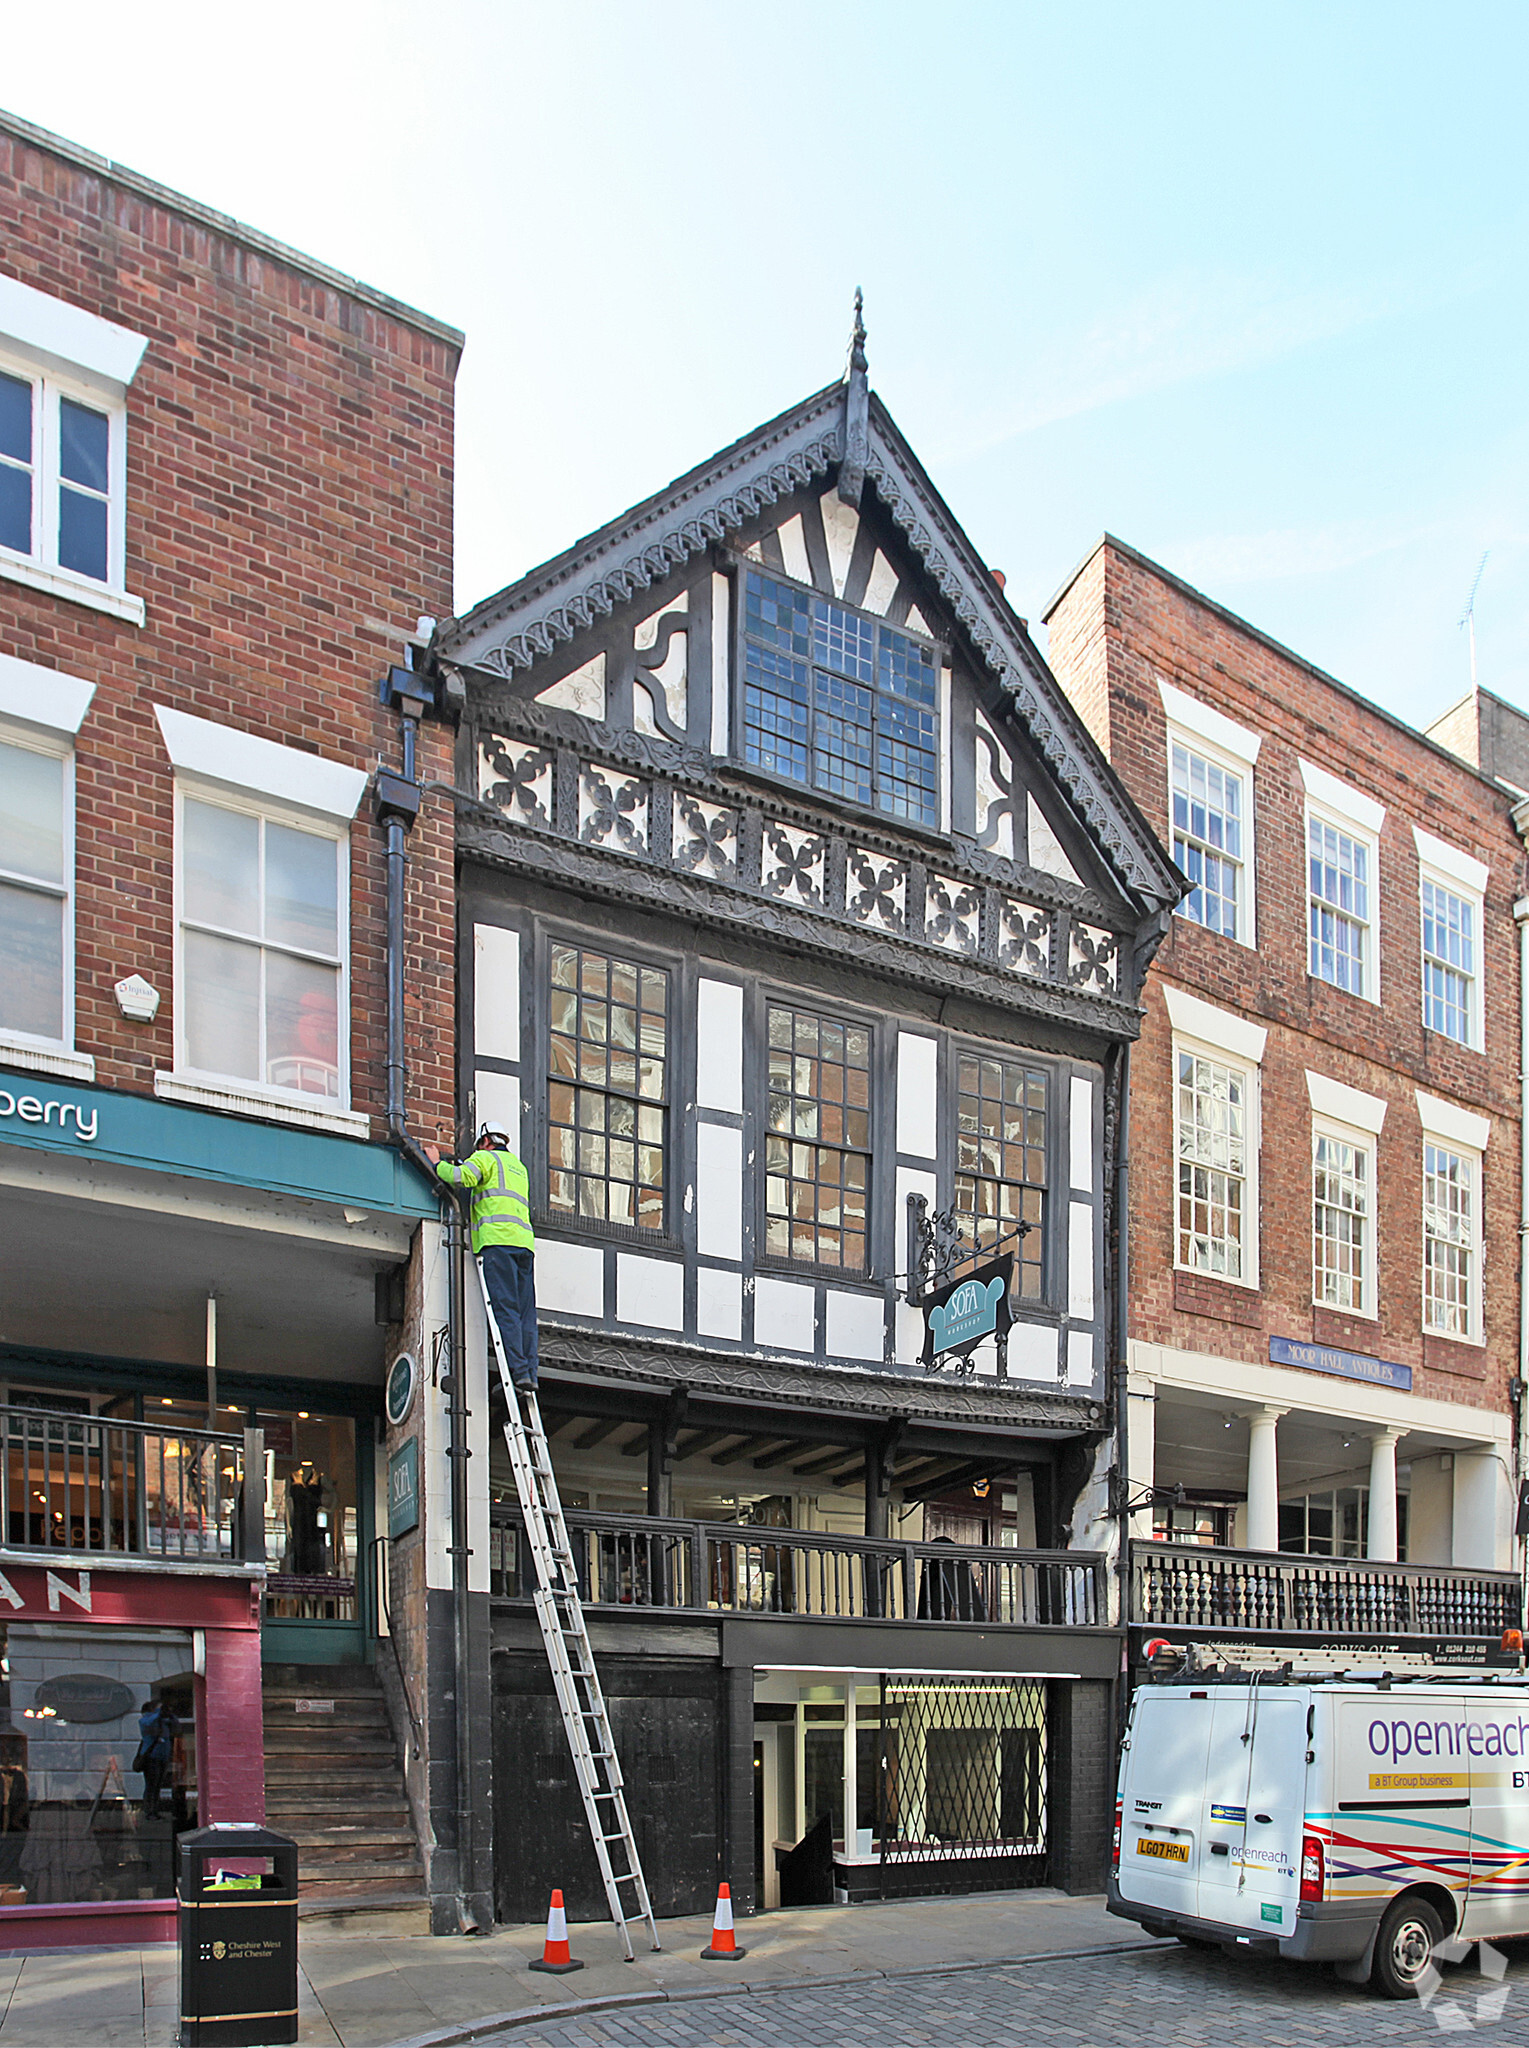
pixel 238 1938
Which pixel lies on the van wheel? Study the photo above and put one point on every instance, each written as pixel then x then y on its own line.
pixel 1409 1934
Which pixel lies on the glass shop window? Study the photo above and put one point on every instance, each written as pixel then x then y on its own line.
pixel 311 1527
pixel 97 1762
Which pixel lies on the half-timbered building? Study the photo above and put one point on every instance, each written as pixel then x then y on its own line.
pixel 796 902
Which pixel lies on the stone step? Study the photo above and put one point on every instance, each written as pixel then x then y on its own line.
pixel 365 1804
pixel 377 1756
pixel 359 1893
pixel 350 1742
pixel 341 1871
pixel 366 1848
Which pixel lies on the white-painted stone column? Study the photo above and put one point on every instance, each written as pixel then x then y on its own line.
pixel 1263 1479
pixel 1382 1522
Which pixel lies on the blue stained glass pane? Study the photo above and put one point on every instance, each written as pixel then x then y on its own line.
pixel 16 418
pixel 907 668
pixel 82 441
pixel 82 533
pixel 15 509
pixel 777 614
pixel 841 755
pixel 775 713
pixel 843 642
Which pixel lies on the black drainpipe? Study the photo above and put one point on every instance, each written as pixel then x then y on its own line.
pixel 398 798
pixel 1123 1365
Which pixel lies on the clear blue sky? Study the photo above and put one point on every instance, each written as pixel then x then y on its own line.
pixel 1244 285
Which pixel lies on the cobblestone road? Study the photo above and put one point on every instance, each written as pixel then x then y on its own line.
pixel 1161 1998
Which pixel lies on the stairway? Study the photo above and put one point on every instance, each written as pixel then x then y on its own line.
pixel 333 1782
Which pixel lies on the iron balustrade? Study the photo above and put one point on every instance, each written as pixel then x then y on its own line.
pixel 724 1567
pixel 1181 1585
pixel 97 1486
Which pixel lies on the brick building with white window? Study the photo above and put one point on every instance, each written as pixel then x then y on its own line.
pixel 1325 1112
pixel 225 510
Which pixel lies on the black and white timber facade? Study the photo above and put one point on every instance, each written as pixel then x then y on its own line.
pixel 791 886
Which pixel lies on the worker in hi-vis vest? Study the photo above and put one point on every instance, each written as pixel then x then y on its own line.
pixel 502 1240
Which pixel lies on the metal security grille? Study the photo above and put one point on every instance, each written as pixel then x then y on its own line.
pixel 962 1771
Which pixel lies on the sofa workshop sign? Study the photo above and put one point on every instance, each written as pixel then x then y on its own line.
pixel 962 1313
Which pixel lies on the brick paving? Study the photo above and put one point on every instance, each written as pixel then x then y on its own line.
pixel 1154 1998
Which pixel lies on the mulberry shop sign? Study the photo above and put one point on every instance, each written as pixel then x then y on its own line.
pixel 1346 1365
pixel 49 1111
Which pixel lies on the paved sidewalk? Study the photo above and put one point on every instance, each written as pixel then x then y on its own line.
pixel 373 1981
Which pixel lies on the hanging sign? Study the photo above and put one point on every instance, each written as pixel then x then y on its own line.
pixel 403 1379
pixel 959 1315
pixel 403 1488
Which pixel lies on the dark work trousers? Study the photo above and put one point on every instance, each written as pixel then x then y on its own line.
pixel 511 1277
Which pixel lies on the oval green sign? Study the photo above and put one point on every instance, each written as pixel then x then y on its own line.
pixel 403 1378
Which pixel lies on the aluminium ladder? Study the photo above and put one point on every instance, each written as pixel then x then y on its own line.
pixel 586 1721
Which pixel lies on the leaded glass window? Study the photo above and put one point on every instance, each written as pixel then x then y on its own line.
pixel 818 1139
pixel 607 1088
pixel 839 701
pixel 1000 1179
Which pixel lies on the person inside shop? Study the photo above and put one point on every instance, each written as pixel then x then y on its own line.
pixel 156 1746
pixel 309 1549
pixel 503 1241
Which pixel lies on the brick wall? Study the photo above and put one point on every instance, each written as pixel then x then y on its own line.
pixel 289 478
pixel 1135 624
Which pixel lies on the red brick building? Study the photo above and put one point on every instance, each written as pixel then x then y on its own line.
pixel 1325 1112
pixel 225 515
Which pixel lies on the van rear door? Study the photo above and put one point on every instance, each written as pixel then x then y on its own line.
pixel 1255 1799
pixel 1162 1783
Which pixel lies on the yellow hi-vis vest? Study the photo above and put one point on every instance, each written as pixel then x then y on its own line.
pixel 501 1206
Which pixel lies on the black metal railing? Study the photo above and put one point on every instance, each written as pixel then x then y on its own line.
pixel 1181 1585
pixel 95 1485
pixel 648 1562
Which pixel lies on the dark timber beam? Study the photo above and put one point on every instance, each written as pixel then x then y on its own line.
pixel 596 1433
pixel 742 1451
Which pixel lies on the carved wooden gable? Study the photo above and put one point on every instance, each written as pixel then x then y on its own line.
pixel 773 696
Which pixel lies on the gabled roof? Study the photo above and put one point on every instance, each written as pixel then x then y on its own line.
pixel 524 623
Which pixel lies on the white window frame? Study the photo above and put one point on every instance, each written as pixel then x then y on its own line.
pixel 1358 817
pixel 1204 1032
pixel 64 352
pixel 1465 878
pixel 43 708
pixel 196 1082
pixel 1234 749
pixel 1466 1134
pixel 59 748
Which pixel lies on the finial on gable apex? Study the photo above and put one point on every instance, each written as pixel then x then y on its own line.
pixel 856 411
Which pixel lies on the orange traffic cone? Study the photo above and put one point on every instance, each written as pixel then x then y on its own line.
pixel 724 1949
pixel 556 1960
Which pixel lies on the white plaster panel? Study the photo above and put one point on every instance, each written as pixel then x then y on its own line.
pixel 882 586
pixel 1080 1357
pixel 719 1045
pixel 907 1333
pixel 1046 851
pixel 719 1191
pixel 721 662
pixel 1080 1134
pixel 570 1278
pixel 1033 1349
pixel 581 690
pixel 43 696
pixel 718 1303
pixel 1080 1261
pixel 200 746
pixel 910 1181
pixel 496 992
pixel 793 549
pixel 841 527
pixel 650 1291
pixel 784 1314
pixel 917 1094
pixel 498 1103
pixel 856 1325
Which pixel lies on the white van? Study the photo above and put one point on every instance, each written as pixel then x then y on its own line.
pixel 1353 1820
